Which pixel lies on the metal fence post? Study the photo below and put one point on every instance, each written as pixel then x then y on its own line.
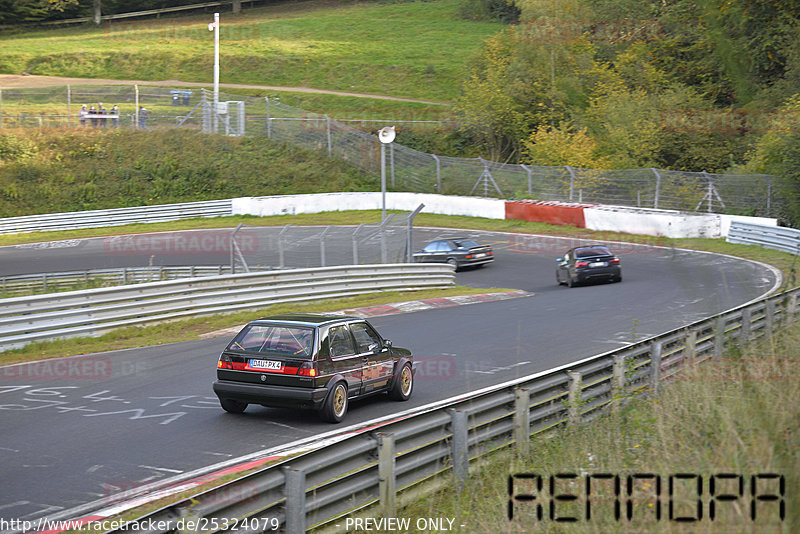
pixel 522 420
pixel 719 336
pixel 355 243
pixel 391 163
pixel 410 236
pixel 530 178
pixel 281 253
pixel 574 397
pixel 460 445
pixel 656 351
pixel 322 245
pixel 571 181
pixel 769 194
pixel 384 245
pixel 269 121
pixel 744 333
pixel 690 347
pixel 136 106
pixel 295 495
pixel 386 475
pixel 658 187
pixel 328 130
pixel 438 173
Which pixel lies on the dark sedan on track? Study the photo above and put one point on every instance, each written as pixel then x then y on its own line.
pixel 318 362
pixel 588 263
pixel 457 252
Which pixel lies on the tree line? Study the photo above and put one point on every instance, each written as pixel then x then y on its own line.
pixel 32 11
pixel 695 85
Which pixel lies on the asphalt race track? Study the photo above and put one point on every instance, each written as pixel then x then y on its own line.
pixel 106 423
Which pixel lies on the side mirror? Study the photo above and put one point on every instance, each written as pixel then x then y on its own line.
pixel 387 344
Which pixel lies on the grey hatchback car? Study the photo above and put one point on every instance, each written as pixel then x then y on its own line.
pixel 318 362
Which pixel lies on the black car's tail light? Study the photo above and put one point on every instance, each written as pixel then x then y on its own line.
pixel 307 369
pixel 614 261
pixel 581 263
pixel 224 362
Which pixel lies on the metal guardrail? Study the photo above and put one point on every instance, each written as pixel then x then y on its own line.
pixel 92 312
pixel 373 470
pixel 115 216
pixel 29 283
pixel 775 237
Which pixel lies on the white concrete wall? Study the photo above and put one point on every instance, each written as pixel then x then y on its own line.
pixel 441 204
pixel 664 223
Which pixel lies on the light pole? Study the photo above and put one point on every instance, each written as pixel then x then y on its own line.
pixel 214 27
pixel 385 136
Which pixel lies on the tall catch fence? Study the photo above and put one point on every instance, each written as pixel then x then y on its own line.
pixel 407 169
pixel 263 248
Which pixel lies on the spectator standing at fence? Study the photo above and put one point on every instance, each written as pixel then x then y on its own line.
pixel 82 115
pixel 142 118
pixel 93 116
pixel 115 116
pixel 101 111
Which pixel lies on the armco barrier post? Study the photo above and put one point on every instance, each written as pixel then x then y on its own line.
pixel 522 421
pixel 574 397
pixel 295 499
pixel 690 348
pixel 744 333
pixel 719 336
pixel 618 381
pixel 460 446
pixel 656 351
pixel 769 316
pixel 386 476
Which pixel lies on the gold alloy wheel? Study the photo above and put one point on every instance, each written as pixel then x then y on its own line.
pixel 339 400
pixel 405 380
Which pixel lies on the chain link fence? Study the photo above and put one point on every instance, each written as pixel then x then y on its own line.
pixel 266 248
pixel 406 169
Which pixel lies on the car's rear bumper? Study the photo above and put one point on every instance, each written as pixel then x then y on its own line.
pixel 269 395
pixel 598 273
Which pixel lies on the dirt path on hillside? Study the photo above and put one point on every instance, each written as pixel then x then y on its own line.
pixel 8 81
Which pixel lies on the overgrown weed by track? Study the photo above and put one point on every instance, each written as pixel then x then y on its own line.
pixel 736 417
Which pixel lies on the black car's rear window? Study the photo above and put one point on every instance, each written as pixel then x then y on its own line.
pixel 592 251
pixel 275 339
pixel 466 243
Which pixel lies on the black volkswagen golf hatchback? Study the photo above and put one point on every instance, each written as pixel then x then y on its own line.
pixel 588 263
pixel 317 362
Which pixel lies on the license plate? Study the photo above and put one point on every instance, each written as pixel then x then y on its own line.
pixel 266 364
pixel 480 255
pixel 598 264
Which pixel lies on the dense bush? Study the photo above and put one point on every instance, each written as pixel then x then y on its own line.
pixel 70 170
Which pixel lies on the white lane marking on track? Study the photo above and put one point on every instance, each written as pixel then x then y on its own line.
pixel 165 469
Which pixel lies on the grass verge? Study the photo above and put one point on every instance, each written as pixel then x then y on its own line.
pixel 734 416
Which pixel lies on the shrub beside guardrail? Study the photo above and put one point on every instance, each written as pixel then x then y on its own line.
pixel 92 312
pixel 775 237
pixel 374 470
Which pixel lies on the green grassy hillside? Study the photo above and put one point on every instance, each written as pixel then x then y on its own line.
pixel 408 49
pixel 70 170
